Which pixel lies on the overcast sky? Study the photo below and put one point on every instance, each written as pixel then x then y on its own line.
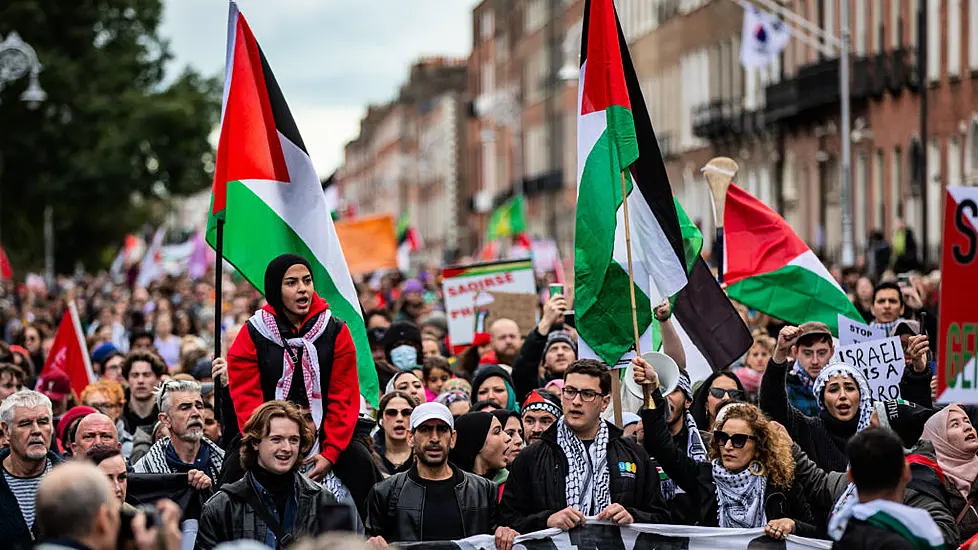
pixel 331 57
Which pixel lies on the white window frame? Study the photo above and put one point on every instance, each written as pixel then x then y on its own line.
pixel 972 37
pixel 954 38
pixel 935 44
pixel 860 33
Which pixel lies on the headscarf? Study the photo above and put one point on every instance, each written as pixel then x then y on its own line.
pixel 274 274
pixel 959 465
pixel 471 431
pixel 390 385
pixel 846 371
pixel 486 372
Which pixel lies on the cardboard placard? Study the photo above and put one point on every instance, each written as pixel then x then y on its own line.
pixel 519 307
pixel 854 332
pixel 881 362
pixel 471 292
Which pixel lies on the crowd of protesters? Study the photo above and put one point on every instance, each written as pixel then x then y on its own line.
pixel 272 442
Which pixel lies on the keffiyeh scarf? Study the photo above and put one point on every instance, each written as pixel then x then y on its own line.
pixel 695 449
pixel 267 326
pixel 740 496
pixel 915 525
pixel 588 481
pixel 847 371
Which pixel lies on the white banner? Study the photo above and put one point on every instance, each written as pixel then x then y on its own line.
pixel 605 536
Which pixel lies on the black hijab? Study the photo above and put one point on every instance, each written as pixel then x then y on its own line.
pixel 274 274
pixel 471 431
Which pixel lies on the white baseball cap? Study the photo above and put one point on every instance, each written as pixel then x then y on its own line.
pixel 431 411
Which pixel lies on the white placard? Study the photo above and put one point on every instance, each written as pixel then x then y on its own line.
pixel 854 332
pixel 466 287
pixel 881 361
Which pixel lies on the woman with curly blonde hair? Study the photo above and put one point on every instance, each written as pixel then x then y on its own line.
pixel 748 481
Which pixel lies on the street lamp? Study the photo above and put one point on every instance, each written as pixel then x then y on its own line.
pixel 18 59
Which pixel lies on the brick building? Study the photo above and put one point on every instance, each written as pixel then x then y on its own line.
pixel 407 157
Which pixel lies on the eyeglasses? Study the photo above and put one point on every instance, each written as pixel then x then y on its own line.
pixel 392 413
pixel 586 395
pixel 102 407
pixel 719 393
pixel 737 440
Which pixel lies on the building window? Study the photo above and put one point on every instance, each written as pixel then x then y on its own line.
pixel 954 162
pixel 913 7
pixel 954 37
pixel 486 25
pixel 535 15
pixel 934 42
pixel 972 38
pixel 878 210
pixel 488 80
pixel 828 17
pixel 859 204
pixel 897 22
pixel 896 184
pixel 860 42
pixel 934 190
pixel 971 158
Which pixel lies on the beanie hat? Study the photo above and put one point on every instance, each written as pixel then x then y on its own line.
pixel 68 418
pixel 102 352
pixel 471 430
pixel 486 372
pixel 402 332
pixel 542 400
pixel 903 417
pixel 489 358
pixel 560 336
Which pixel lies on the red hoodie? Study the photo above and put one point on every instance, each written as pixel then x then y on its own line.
pixel 341 402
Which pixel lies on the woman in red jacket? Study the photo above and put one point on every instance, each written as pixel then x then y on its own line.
pixel 294 349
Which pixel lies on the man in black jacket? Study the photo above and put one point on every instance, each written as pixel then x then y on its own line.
pixel 879 521
pixel 434 500
pixel 582 466
pixel 273 503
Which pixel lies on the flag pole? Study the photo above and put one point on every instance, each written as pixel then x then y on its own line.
pixel 218 291
pixel 616 383
pixel 719 173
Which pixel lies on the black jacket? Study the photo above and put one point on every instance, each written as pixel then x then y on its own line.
pixel 395 506
pixel 696 478
pixel 14 531
pixel 536 489
pixel 827 449
pixel 228 515
pixel 860 535
pixel 526 368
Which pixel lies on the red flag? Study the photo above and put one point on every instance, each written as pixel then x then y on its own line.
pixel 69 352
pixel 6 270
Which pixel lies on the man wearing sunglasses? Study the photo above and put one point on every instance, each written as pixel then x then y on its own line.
pixel 582 466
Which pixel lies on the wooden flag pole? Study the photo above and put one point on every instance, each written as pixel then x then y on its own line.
pixel 719 173
pixel 646 389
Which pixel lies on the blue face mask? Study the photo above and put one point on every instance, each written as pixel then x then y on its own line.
pixel 404 357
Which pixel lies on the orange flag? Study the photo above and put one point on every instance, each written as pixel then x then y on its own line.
pixel 368 243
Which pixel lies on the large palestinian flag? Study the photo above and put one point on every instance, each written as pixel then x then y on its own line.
pixel 769 268
pixel 268 194
pixel 614 134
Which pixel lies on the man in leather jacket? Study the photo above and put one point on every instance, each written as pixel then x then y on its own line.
pixel 434 500
pixel 273 503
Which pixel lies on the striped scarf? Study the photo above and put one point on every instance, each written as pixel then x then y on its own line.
pixel 806 380
pixel 588 481
pixel 913 524
pixel 695 449
pixel 888 327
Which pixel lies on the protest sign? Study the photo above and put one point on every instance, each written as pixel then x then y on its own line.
pixel 368 243
pixel 957 344
pixel 881 361
pixel 470 289
pixel 854 332
pixel 638 536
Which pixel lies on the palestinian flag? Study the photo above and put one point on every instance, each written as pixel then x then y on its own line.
pixel 769 268
pixel 614 134
pixel 268 194
pixel 408 241
pixel 332 193
pixel 713 334
pixel 914 525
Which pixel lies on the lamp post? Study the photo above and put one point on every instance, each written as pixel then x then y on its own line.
pixel 17 60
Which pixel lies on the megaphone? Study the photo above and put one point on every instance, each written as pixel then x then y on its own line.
pixel 632 394
pixel 664 366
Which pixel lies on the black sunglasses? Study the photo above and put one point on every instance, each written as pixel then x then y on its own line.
pixel 392 413
pixel 719 393
pixel 737 440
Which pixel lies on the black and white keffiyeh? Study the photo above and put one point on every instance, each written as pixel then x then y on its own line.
pixel 695 449
pixel 740 496
pixel 847 371
pixel 588 481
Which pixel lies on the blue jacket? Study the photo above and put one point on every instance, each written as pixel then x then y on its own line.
pixel 14 531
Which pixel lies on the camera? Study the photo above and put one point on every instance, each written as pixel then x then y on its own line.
pixel 126 515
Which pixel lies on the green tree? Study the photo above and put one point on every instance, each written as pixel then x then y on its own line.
pixel 114 137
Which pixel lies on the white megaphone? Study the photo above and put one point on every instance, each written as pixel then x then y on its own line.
pixel 632 394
